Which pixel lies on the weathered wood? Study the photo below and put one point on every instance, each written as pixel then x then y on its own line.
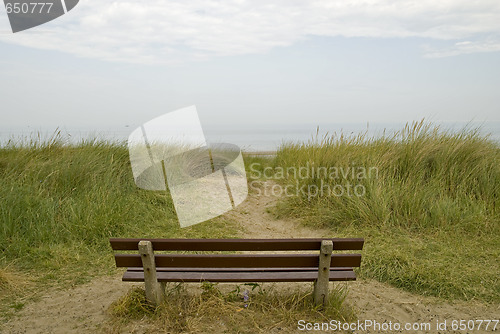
pixel 239 260
pixel 154 293
pixel 224 276
pixel 243 270
pixel 321 285
pixel 238 244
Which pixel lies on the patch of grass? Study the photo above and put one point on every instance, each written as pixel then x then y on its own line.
pixel 14 286
pixel 242 310
pixel 427 204
pixel 133 305
pixel 12 283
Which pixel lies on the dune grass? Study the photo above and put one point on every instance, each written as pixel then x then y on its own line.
pixel 60 205
pixel 429 209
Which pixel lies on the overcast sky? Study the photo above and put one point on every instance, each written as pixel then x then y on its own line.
pixel 116 63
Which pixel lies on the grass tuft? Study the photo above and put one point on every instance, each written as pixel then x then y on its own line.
pixel 133 305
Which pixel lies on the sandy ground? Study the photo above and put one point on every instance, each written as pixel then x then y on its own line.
pixel 83 309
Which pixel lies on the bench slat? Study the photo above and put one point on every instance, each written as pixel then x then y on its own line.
pixel 239 260
pixel 295 276
pixel 171 269
pixel 238 244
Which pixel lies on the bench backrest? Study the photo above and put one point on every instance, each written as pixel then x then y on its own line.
pixel 238 260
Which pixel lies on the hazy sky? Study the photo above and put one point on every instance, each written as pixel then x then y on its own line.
pixel 116 63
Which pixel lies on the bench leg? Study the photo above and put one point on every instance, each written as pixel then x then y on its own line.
pixel 321 284
pixel 154 291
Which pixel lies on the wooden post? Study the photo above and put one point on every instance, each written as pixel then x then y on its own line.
pixel 154 293
pixel 321 284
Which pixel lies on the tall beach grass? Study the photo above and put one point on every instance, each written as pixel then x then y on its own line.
pixel 429 209
pixel 60 203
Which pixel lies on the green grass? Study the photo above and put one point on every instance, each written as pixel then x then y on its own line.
pixel 429 210
pixel 60 205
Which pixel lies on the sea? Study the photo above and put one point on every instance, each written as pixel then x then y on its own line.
pixel 249 137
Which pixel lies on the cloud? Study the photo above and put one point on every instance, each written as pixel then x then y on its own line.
pixel 465 47
pixel 156 31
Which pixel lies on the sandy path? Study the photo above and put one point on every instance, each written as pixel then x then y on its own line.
pixel 83 309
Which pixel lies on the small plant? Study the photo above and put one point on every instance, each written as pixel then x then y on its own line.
pixel 236 294
pixel 210 290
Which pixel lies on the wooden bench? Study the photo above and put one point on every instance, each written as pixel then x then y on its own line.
pixel 288 265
